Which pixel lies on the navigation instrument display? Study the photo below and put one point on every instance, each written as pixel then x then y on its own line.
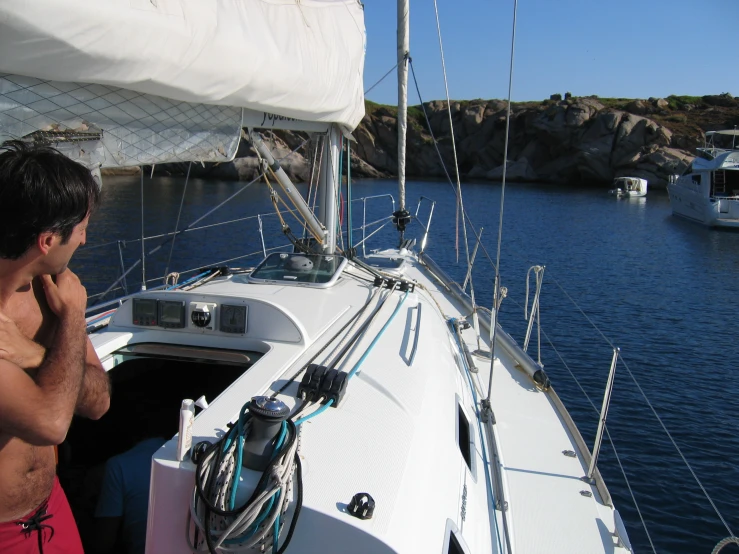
pixel 172 314
pixel 233 319
pixel 145 311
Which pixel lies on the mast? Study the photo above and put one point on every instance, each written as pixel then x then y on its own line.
pixel 401 217
pixel 328 188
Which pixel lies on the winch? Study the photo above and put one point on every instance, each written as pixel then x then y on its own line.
pixel 266 425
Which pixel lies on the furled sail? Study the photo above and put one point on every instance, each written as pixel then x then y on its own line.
pixel 173 80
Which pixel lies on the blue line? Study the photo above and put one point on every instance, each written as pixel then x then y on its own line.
pixel 237 473
pixel 254 527
pixel 241 431
pixel 318 411
pixel 359 363
pixel 280 440
pixel 190 280
pixel 377 338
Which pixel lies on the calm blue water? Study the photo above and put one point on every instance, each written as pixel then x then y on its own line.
pixel 661 289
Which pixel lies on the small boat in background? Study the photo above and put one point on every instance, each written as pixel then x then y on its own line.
pixel 708 190
pixel 629 187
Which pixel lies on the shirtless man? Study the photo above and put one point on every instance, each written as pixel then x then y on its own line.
pixel 48 368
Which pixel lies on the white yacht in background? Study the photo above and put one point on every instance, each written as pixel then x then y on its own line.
pixel 629 187
pixel 708 190
pixel 348 403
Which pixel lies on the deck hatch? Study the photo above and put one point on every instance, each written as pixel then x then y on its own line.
pixel 308 270
pixel 454 546
pixel 454 542
pixel 463 436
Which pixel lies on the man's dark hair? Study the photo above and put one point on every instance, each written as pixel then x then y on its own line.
pixel 40 190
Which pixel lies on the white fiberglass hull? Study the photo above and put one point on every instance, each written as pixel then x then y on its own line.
pixel 629 194
pixel 695 206
pixel 398 433
pixel 629 187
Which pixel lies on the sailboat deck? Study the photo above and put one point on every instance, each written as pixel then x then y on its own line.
pixel 547 510
pixel 396 433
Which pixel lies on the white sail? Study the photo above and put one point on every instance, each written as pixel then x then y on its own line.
pixel 298 59
pixel 172 80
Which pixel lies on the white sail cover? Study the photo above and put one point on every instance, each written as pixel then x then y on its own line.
pixel 169 72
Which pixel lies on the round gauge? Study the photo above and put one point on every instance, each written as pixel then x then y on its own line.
pixel 200 318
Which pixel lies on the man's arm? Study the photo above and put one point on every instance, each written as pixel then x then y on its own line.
pixel 40 410
pixel 15 347
pixel 94 398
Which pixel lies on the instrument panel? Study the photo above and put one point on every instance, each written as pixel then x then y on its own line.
pixel 178 314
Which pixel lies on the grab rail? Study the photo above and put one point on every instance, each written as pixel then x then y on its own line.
pixel 364 214
pixel 529 366
pixel 415 339
pixel 428 223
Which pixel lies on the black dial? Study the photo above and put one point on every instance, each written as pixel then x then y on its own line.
pixel 200 318
pixel 233 319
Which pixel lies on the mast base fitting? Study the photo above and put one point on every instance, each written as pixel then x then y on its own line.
pixel 401 219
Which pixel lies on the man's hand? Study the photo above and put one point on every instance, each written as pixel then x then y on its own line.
pixel 66 297
pixel 15 347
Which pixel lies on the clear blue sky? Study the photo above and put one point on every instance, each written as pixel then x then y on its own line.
pixel 616 48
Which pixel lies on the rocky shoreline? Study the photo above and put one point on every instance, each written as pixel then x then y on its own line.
pixel 579 141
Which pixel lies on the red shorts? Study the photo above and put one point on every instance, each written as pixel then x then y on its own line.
pixel 49 529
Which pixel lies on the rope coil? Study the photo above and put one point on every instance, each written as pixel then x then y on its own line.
pixel 720 545
pixel 215 523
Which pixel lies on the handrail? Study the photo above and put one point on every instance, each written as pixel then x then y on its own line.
pixel 486 422
pixel 465 351
pixel 472 259
pixel 415 339
pixel 121 280
pixel 603 416
pixel 535 312
pixel 364 215
pixel 364 239
pixel 428 223
pixel 528 365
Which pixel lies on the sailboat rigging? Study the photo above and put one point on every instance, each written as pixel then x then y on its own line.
pixel 354 403
pixel 244 482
